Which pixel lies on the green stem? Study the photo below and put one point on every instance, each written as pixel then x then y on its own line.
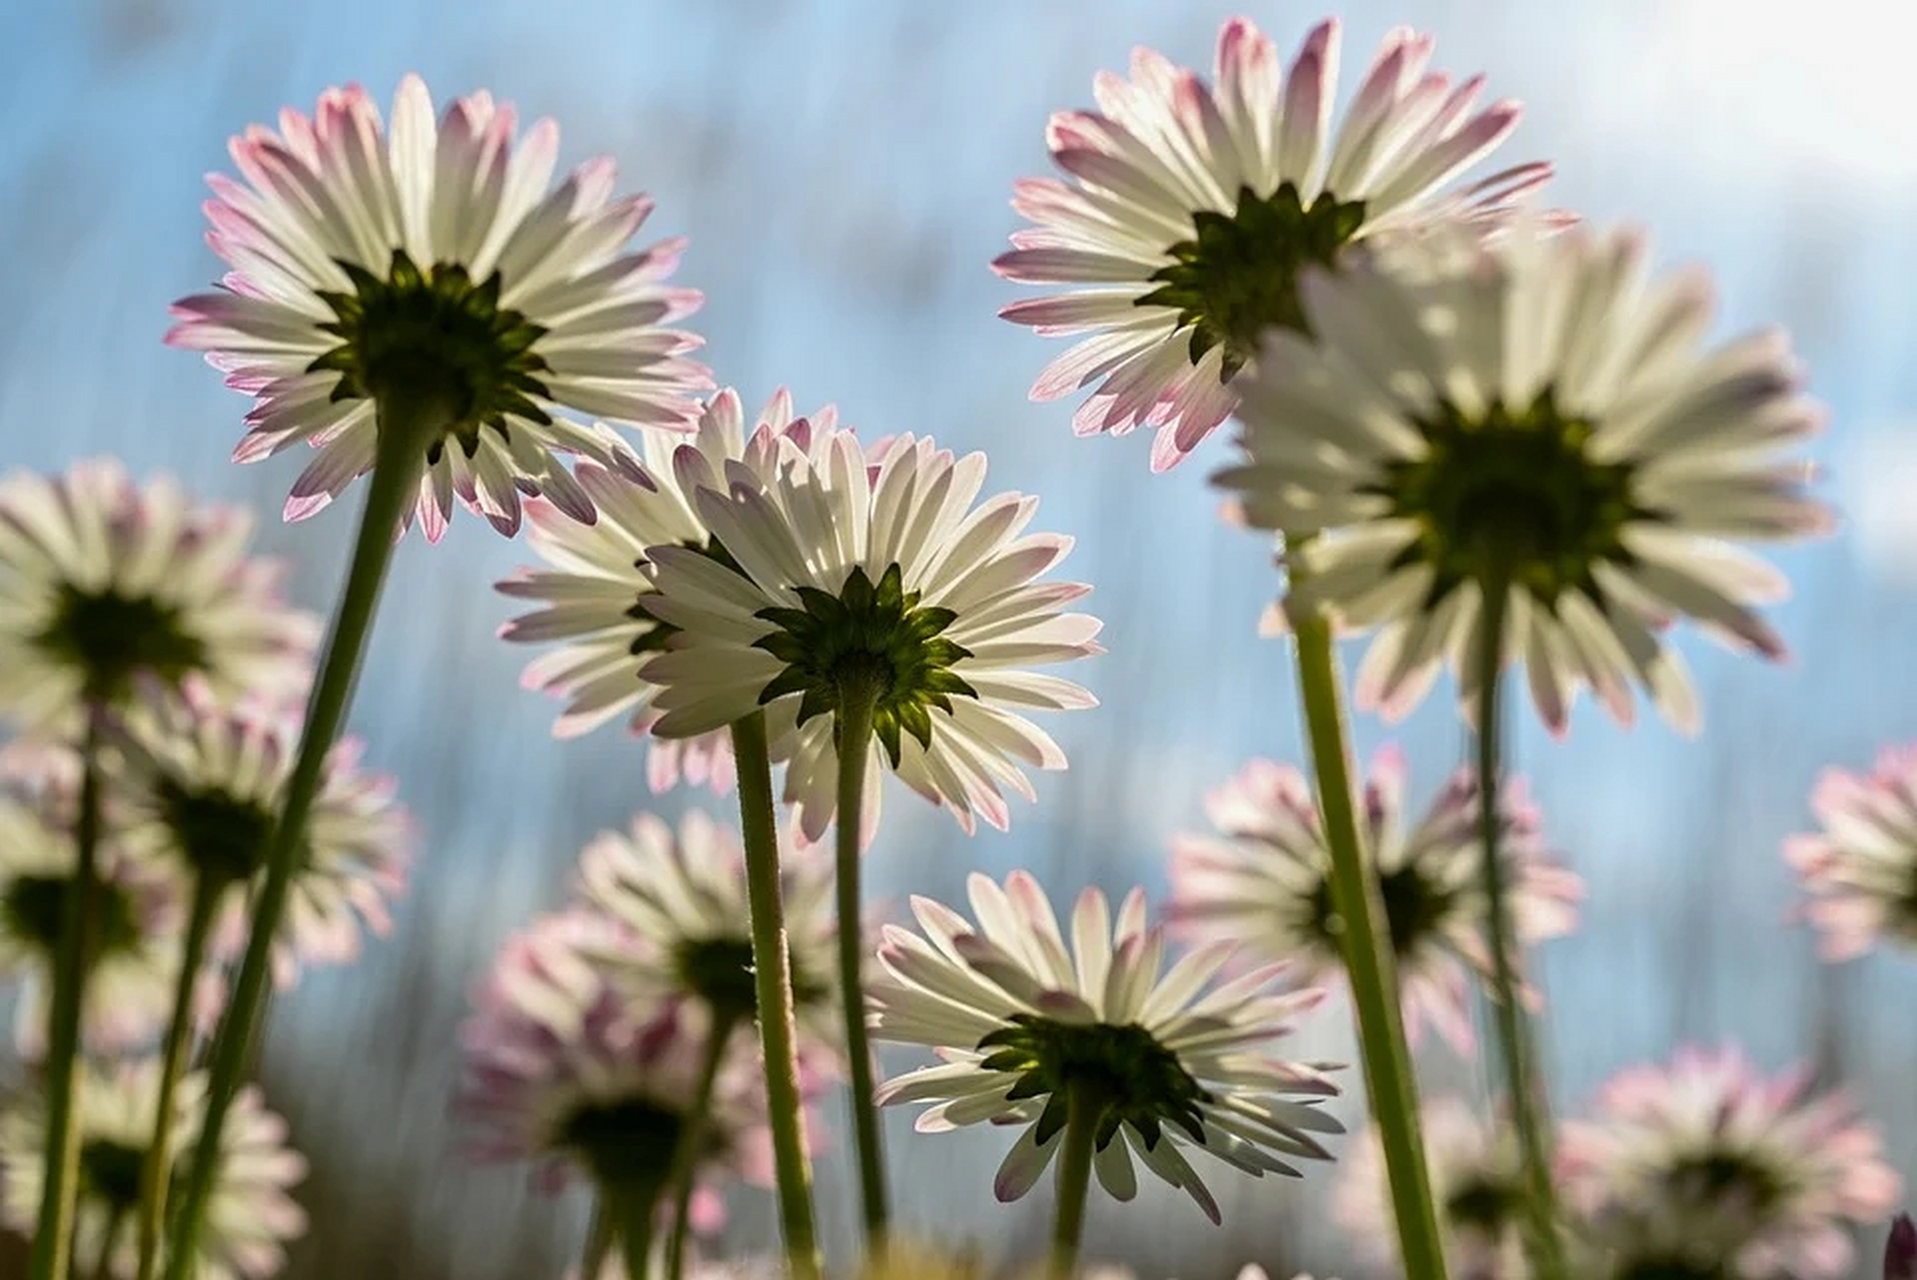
pixel 1083 1111
pixel 685 1170
pixel 397 468
pixel 53 1237
pixel 155 1171
pixel 638 1209
pixel 855 745
pixel 1369 959
pixel 103 1257
pixel 772 973
pixel 1514 1039
pixel 599 1239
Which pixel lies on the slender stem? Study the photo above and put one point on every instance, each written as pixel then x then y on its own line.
pixel 53 1237
pixel 638 1210
pixel 396 472
pixel 599 1240
pixel 1514 1038
pixel 1369 959
pixel 1083 1109
pixel 855 745
pixel 155 1171
pixel 685 1164
pixel 772 973
pixel 103 1259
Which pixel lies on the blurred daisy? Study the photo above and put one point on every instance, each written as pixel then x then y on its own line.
pixel 1706 1167
pixel 431 263
pixel 105 583
pixel 1021 1023
pixel 564 1070
pixel 250 1218
pixel 872 570
pixel 1194 207
pixel 1477 1183
pixel 1539 413
pixel 595 592
pixel 1263 880
pixel 205 785
pixel 1861 869
pixel 682 900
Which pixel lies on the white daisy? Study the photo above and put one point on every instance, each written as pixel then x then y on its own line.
pixel 596 590
pixel 1263 880
pixel 872 570
pixel 1860 871
pixel 682 900
pixel 432 262
pixel 1708 1168
pixel 1477 1183
pixel 1194 207
pixel 205 785
pixel 250 1218
pixel 105 583
pixel 1021 1023
pixel 1537 412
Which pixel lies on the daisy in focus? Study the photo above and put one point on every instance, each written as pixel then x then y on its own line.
pixel 1860 871
pixel 1708 1168
pixel 869 575
pixel 1537 417
pixel 1263 880
pixel 431 272
pixel 681 901
pixel 1029 1031
pixel 204 785
pixel 595 591
pixel 252 1215
pixel 106 583
pixel 1192 208
pixel 1477 1183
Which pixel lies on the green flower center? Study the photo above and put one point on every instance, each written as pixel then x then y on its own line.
pixel 110 1173
pixel 1512 495
pixel 1673 1269
pixel 222 836
pixel 719 971
pixel 113 638
pixel 1725 1178
pixel 1134 1079
pixel 1414 908
pixel 434 335
pixel 35 907
pixel 628 1144
pixel 1485 1205
pixel 1238 276
pixel 867 642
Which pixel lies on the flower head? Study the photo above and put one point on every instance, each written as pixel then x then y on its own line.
pixel 1023 1025
pixel 1476 1182
pixel 106 584
pixel 430 269
pixel 596 590
pixel 869 573
pixel 1539 418
pixel 250 1217
pixel 1194 208
pixel 1263 880
pixel 1708 1165
pixel 204 788
pixel 1860 871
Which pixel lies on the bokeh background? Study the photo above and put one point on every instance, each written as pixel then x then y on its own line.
pixel 843 169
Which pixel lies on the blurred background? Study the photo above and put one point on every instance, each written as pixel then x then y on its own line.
pixel 843 169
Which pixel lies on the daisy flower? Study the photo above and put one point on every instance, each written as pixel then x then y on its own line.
pixel 1192 209
pixel 871 574
pixel 1708 1165
pixel 134 925
pixel 1263 879
pixel 205 784
pixel 595 592
pixel 105 583
pixel 252 1214
pixel 681 898
pixel 1477 1184
pixel 1860 871
pixel 1537 416
pixel 435 266
pixel 1022 1024
pixel 564 1070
